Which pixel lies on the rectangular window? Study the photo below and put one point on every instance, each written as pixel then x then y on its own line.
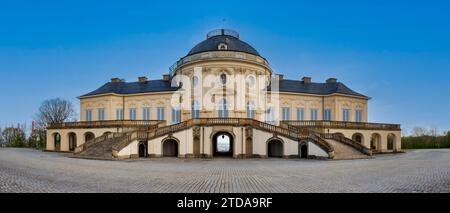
pixel 133 114
pixel 346 115
pixel 195 111
pixel 300 114
pixel 358 116
pixel 88 115
pixel 176 115
pixel 286 114
pixel 146 113
pixel 251 112
pixel 101 114
pixel 119 114
pixel 314 113
pixel 270 116
pixel 160 112
pixel 223 112
pixel 327 115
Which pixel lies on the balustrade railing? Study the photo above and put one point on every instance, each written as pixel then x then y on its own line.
pixel 342 125
pixel 217 54
pixel 107 124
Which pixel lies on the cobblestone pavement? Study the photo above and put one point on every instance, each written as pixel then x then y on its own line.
pixel 25 170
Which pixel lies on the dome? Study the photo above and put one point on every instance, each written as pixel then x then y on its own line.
pixel 223 40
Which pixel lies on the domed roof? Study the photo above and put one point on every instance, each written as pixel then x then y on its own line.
pixel 223 40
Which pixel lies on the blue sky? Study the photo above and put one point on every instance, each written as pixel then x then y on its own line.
pixel 398 52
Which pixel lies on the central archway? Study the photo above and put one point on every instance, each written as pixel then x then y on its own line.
pixel 223 145
pixel 170 148
pixel 275 148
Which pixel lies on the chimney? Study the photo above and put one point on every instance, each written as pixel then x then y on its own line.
pixel 306 80
pixel 116 80
pixel 332 80
pixel 166 77
pixel 142 79
pixel 279 77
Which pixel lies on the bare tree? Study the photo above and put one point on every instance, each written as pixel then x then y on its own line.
pixel 419 131
pixel 54 111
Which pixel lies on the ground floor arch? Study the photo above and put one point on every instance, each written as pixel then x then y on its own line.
pixel 72 141
pixel 223 144
pixel 358 137
pixel 391 142
pixel 57 141
pixel 142 150
pixel 303 150
pixel 375 142
pixel 275 148
pixel 88 136
pixel 170 147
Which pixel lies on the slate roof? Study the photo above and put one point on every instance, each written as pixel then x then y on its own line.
pixel 233 43
pixel 295 86
pixel 125 88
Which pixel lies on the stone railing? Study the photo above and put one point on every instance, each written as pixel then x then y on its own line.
pixel 107 124
pixel 341 125
pixel 218 55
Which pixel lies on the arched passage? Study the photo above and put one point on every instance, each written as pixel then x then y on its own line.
pixel 391 142
pixel 223 145
pixel 375 142
pixel 142 150
pixel 88 136
pixel 303 150
pixel 170 148
pixel 358 137
pixel 72 141
pixel 275 148
pixel 57 140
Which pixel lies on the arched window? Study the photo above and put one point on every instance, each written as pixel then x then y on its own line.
pixel 195 109
pixel 251 112
pixel 250 81
pixel 223 108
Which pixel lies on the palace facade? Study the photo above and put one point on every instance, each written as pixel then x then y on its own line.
pixel 223 99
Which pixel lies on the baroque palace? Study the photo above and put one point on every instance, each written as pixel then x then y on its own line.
pixel 223 100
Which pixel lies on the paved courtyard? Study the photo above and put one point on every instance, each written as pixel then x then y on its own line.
pixel 25 170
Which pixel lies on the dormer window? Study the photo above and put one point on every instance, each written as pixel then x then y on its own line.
pixel 222 46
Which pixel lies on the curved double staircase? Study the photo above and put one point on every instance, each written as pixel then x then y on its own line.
pixel 109 145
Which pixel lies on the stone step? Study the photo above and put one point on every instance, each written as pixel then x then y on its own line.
pixel 344 152
pixel 101 150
